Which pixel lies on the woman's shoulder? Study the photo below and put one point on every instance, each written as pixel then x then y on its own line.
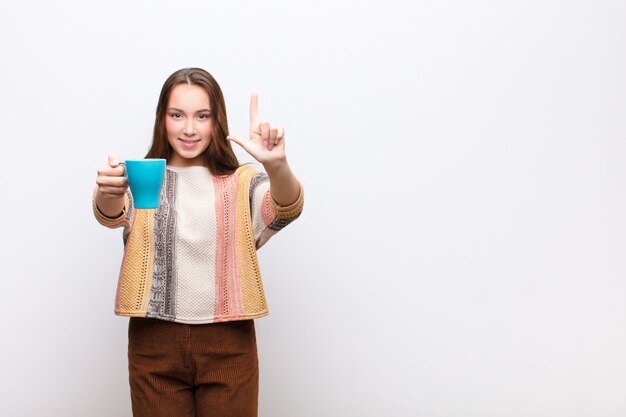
pixel 247 169
pixel 249 176
pixel 249 172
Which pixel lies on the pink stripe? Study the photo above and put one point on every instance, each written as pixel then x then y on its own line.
pixel 228 298
pixel 267 210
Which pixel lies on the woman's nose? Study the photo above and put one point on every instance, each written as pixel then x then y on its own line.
pixel 189 128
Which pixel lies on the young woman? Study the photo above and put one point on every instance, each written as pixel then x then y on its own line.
pixel 190 279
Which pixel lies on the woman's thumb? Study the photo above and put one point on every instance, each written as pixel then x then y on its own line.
pixel 114 160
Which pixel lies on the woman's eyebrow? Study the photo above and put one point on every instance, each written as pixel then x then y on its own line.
pixel 182 111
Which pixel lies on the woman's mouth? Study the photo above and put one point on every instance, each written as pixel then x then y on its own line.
pixel 189 143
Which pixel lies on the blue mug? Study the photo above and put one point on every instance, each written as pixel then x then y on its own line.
pixel 145 179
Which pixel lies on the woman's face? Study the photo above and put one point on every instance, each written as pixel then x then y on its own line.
pixel 188 124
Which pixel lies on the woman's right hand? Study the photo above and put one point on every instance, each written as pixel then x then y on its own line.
pixel 111 180
pixel 112 186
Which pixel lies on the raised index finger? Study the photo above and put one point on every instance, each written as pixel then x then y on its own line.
pixel 254 109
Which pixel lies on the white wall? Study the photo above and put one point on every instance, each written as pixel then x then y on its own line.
pixel 462 247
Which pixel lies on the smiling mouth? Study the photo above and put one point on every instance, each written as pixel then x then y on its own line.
pixel 189 141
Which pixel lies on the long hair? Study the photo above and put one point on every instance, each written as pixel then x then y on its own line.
pixel 219 156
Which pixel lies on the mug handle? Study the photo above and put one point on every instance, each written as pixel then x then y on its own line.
pixel 125 170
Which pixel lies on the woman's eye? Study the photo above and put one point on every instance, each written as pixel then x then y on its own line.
pixel 203 116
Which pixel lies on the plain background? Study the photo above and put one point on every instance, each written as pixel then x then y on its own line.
pixel 461 252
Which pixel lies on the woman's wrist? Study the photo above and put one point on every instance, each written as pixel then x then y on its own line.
pixel 276 167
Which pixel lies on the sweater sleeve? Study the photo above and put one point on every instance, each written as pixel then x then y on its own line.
pixel 119 221
pixel 268 217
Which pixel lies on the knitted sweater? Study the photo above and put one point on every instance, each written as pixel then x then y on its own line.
pixel 193 260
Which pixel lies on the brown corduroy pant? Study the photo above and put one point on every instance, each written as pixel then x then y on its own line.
pixel 199 370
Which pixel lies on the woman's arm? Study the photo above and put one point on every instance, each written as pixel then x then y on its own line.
pixel 284 186
pixel 267 145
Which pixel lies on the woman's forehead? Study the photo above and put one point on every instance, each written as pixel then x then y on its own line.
pixel 189 96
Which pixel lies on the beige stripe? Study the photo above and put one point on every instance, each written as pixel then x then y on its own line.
pixel 196 230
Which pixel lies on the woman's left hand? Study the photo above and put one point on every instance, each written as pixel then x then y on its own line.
pixel 267 141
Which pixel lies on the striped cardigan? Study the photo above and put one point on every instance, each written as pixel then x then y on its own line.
pixel 193 260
